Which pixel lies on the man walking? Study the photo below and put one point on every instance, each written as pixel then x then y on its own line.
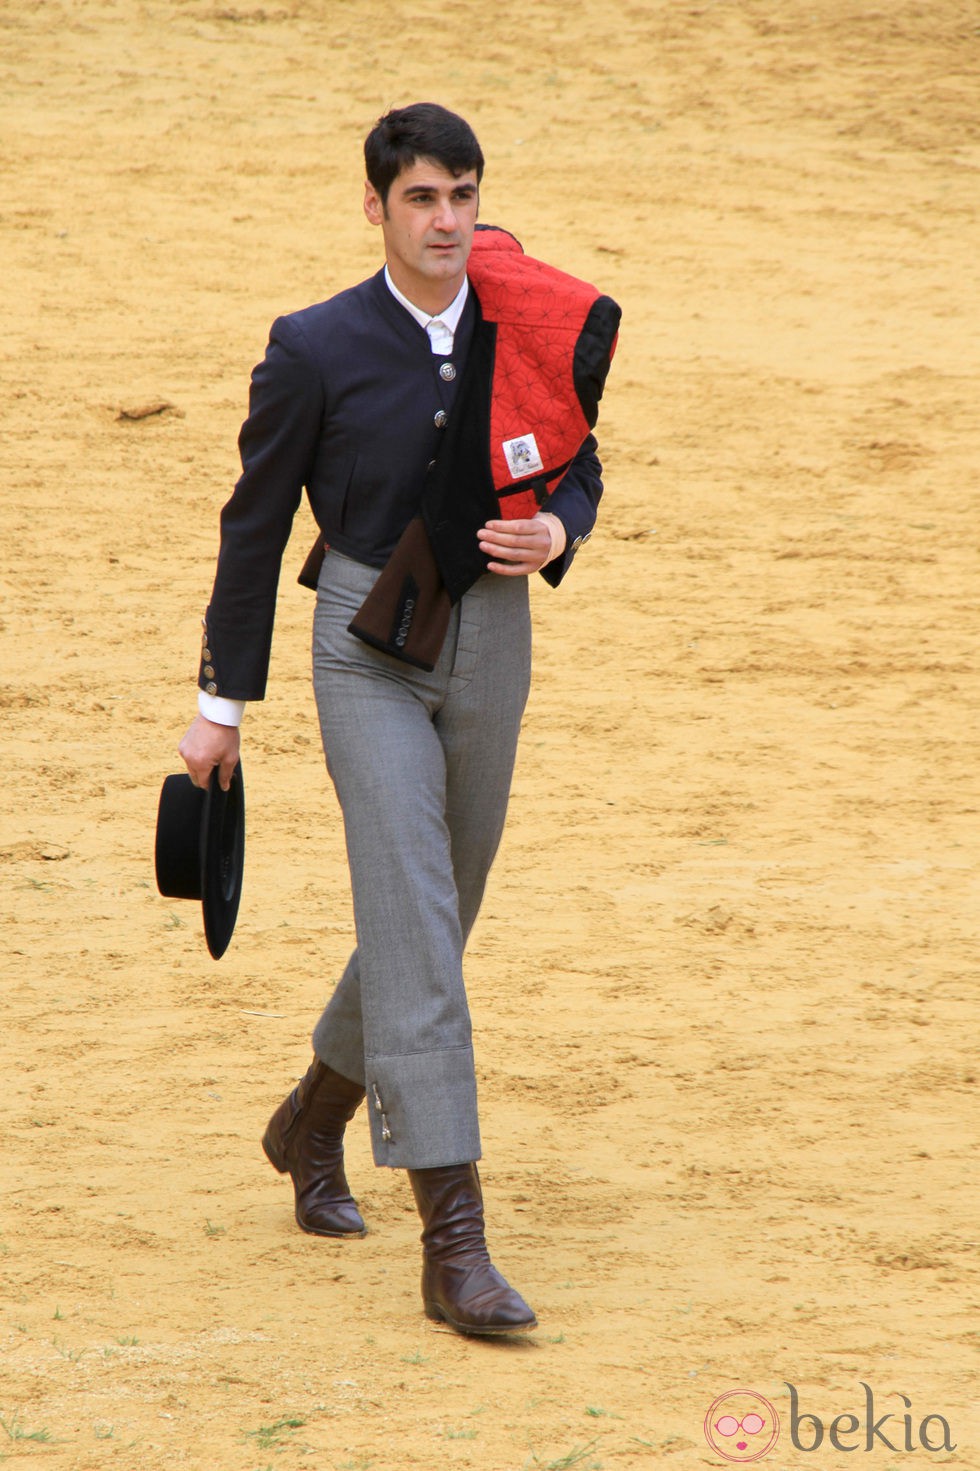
pixel 438 416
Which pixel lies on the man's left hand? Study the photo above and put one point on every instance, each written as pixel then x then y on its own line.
pixel 518 548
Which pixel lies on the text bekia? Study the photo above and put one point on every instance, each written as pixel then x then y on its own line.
pixel 847 1432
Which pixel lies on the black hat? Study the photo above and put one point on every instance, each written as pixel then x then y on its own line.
pixel 200 850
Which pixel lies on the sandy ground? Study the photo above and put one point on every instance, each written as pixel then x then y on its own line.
pixel 724 983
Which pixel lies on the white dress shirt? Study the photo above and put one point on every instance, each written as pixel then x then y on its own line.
pixel 441 329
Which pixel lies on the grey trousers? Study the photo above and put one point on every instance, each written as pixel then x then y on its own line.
pixel 422 765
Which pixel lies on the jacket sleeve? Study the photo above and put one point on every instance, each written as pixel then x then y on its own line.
pixel 277 444
pixel 575 502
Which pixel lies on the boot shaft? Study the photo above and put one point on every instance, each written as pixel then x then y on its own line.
pixel 450 1205
pixel 323 1098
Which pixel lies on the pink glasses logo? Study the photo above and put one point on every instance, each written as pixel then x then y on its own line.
pixel 741 1425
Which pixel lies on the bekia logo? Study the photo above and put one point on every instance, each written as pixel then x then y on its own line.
pixel 904 1432
pixel 743 1426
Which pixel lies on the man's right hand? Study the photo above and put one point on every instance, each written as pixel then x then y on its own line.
pixel 207 745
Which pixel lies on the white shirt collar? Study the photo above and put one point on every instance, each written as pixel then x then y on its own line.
pixel 450 316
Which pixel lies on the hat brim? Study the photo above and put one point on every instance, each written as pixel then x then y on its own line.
pixel 222 860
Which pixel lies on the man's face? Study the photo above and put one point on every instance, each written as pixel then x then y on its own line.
pixel 428 225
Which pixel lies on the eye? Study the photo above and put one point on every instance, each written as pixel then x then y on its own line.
pixel 752 1424
pixel 727 1425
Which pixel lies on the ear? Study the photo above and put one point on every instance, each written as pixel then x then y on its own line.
pixel 373 207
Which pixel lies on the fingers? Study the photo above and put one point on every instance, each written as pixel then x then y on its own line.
pixel 516 548
pixel 200 772
pixel 206 745
pixel 227 769
pixel 199 767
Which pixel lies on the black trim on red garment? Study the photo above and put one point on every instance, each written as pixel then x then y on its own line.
pixel 590 365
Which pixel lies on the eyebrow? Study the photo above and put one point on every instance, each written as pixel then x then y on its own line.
pixel 413 189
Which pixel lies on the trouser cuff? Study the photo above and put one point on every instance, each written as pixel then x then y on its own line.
pixel 423 1109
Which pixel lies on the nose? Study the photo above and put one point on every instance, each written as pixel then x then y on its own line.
pixel 445 218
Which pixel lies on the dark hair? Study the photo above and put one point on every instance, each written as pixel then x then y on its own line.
pixel 423 130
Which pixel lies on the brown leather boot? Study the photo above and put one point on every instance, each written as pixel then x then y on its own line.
pixel 305 1138
pixel 460 1285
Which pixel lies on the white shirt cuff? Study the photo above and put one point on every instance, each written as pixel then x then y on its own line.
pixel 220 710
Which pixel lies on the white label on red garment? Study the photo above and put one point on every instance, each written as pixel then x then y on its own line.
pixel 522 456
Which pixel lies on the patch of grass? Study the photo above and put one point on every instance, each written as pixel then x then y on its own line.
pixel 270 1437
pixel 416 1358
pixel 16 1431
pixel 173 922
pixel 575 1457
pixel 210 1229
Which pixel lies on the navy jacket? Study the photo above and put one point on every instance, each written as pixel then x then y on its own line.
pixel 345 404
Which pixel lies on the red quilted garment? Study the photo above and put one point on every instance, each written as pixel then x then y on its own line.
pixel 555 338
